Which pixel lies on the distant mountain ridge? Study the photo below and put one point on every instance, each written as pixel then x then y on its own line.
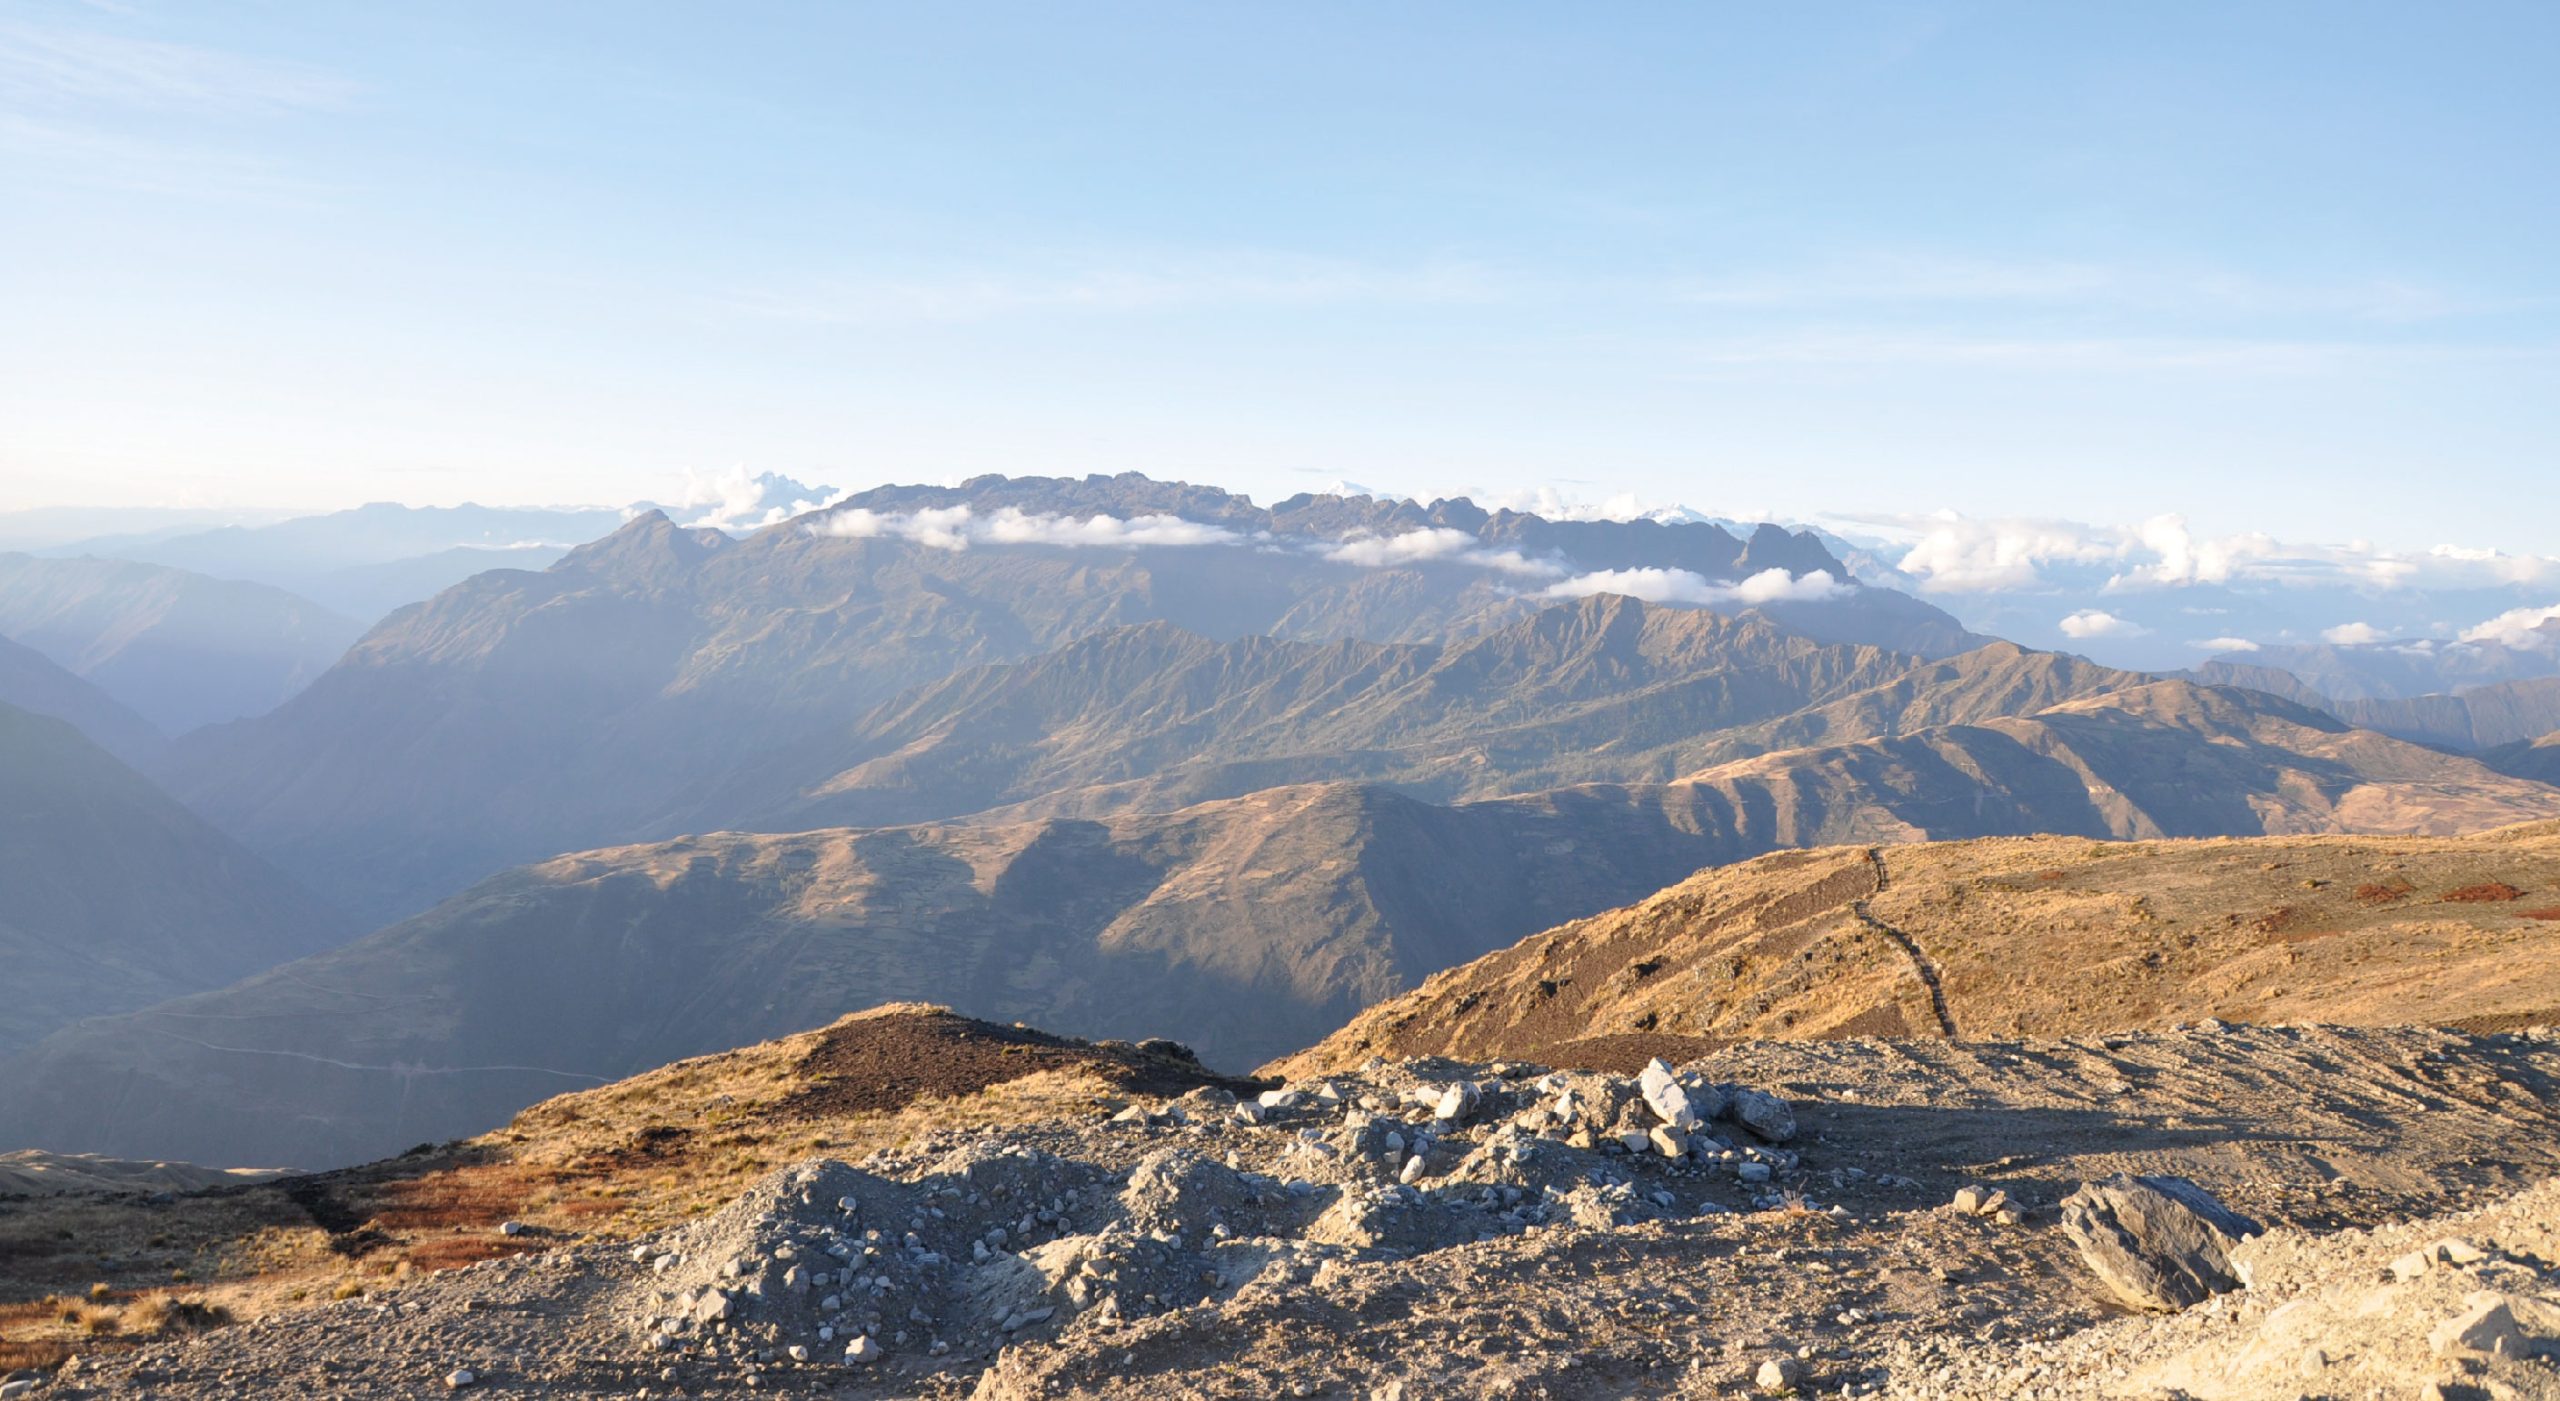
pixel 612 696
pixel 180 649
pixel 33 682
pixel 117 897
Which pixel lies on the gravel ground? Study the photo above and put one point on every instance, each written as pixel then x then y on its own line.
pixel 1546 1245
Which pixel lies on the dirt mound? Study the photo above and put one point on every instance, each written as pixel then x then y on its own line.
pixel 889 1058
pixel 2012 936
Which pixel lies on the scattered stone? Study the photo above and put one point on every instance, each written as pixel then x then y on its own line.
pixel 460 1377
pixel 1772 1118
pixel 1779 1374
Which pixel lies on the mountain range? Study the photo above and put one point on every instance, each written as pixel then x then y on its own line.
pixel 1245 926
pixel 1117 756
pixel 619 694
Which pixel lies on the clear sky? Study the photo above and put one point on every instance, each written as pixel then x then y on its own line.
pixel 2283 267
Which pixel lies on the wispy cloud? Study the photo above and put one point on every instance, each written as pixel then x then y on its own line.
pixel 63 68
pixel 1906 280
pixel 2106 354
pixel 1168 283
pixel 88 107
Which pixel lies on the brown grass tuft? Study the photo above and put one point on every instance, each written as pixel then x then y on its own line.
pixel 2485 893
pixel 162 1314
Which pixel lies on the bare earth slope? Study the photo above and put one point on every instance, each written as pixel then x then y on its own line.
pixel 112 897
pixel 2044 936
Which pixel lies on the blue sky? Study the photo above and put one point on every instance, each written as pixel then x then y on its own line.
pixel 2277 267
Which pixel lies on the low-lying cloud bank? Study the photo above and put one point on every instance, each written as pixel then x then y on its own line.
pixel 1686 586
pixel 961 527
pixel 1951 553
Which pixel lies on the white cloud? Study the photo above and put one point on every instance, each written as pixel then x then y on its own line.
pixel 1686 586
pixel 2517 627
pixel 1966 554
pixel 2352 634
pixel 2092 622
pixel 1952 553
pixel 959 527
pixel 1442 543
pixel 2227 644
pixel 738 499
pixel 1556 505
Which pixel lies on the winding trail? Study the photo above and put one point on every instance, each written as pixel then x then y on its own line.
pixel 1910 947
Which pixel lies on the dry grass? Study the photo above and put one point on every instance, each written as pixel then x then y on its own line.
pixel 2385 892
pixel 2485 893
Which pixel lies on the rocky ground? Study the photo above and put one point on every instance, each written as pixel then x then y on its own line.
pixel 1850 1217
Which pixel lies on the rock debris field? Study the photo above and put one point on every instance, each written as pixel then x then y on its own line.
pixel 2208 1212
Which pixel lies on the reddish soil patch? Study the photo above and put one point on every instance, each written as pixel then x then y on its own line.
pixel 2485 893
pixel 2385 893
pixel 874 1065
pixel 2277 920
pixel 2550 914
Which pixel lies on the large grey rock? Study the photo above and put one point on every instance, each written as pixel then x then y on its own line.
pixel 1772 1118
pixel 2159 1244
pixel 1668 1097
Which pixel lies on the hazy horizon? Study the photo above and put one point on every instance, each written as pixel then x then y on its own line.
pixel 2262 268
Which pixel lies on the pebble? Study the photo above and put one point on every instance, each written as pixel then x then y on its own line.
pixel 1779 1374
pixel 460 1377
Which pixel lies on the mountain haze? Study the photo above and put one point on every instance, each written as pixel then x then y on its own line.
pixel 117 897
pixel 180 649
pixel 31 681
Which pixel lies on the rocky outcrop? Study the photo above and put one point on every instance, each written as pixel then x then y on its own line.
pixel 2159 1244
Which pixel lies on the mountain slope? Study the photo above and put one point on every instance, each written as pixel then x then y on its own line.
pixel 180 649
pixel 2483 717
pixel 117 897
pixel 2538 759
pixel 1604 688
pixel 2042 936
pixel 1242 927
pixel 32 682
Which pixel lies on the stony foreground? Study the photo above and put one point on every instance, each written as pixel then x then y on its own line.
pixel 1778 1216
